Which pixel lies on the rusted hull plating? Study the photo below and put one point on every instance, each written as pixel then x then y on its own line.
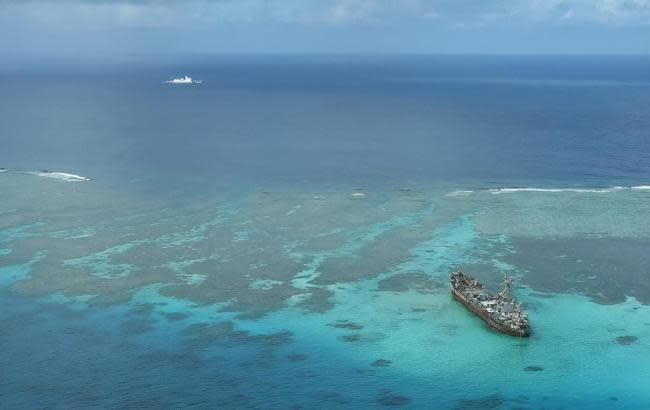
pixel 485 315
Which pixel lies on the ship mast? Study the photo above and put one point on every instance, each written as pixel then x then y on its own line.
pixel 505 293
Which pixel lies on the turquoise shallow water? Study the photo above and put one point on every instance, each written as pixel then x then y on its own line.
pixel 274 298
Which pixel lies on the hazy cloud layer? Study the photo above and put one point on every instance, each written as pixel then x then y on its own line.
pixel 285 23
pixel 455 12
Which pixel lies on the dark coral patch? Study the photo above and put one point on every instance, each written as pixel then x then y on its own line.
pixel 318 301
pixel 493 401
pixel 206 334
pixel 351 338
pixel 174 316
pixel 297 357
pixel 388 398
pixel 382 363
pixel 403 282
pixel 377 256
pixel 180 360
pixel 137 326
pixel 236 401
pixel 533 368
pixel 419 310
pixel 606 269
pixel 344 324
pixel 144 309
pixel 626 340
pixel 334 397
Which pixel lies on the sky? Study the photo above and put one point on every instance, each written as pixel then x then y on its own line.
pixel 104 28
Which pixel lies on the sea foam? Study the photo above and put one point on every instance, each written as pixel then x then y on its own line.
pixel 578 190
pixel 62 176
pixel 498 191
pixel 460 193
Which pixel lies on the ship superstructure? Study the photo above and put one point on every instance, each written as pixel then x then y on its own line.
pixel 501 311
pixel 183 80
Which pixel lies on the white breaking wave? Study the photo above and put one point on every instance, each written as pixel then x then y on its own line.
pixel 498 191
pixel 2 169
pixel 460 193
pixel 62 176
pixel 578 190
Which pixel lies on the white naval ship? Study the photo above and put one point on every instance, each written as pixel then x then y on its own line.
pixel 183 80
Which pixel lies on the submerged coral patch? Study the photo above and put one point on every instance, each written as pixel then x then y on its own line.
pixel 135 326
pixel 225 333
pixel 603 268
pixel 318 300
pixel 297 357
pixel 402 282
pixel 174 316
pixel 626 340
pixel 493 401
pixel 388 398
pixel 533 368
pixel 351 338
pixel 345 324
pixel 381 363
pixel 334 397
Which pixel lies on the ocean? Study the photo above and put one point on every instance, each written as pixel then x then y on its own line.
pixel 281 235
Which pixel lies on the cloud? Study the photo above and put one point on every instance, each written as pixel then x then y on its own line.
pixel 625 9
pixel 326 12
pixel 79 27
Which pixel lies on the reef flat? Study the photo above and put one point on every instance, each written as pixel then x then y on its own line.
pixel 312 297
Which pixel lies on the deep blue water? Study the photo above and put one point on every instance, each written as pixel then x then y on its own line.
pixel 280 236
pixel 357 120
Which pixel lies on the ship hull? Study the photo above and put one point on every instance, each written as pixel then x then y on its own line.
pixel 484 314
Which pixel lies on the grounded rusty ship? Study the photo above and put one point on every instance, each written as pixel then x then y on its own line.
pixel 500 311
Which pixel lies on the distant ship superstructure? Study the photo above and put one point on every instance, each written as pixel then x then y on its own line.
pixel 183 80
pixel 501 311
